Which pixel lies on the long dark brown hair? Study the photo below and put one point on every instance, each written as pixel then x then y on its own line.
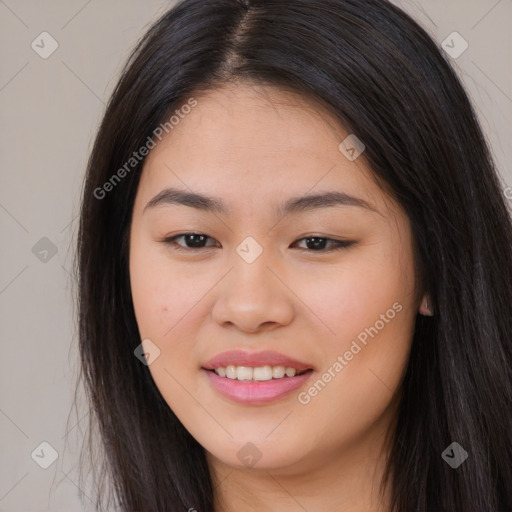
pixel 384 78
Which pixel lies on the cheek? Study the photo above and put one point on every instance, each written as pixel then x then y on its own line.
pixel 369 309
pixel 171 305
pixel 160 294
pixel 363 363
pixel 166 304
pixel 351 297
pixel 150 295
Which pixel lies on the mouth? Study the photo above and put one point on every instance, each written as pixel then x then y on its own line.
pixel 256 378
pixel 253 392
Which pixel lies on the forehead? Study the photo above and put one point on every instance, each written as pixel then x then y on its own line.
pixel 251 143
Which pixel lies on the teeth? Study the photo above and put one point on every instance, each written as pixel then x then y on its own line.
pixel 231 372
pixel 278 372
pixel 243 373
pixel 260 373
pixel 290 372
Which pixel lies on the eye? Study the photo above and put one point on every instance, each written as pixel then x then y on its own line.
pixel 192 241
pixel 318 244
pixel 313 243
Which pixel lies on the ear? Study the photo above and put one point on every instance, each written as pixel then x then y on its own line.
pixel 425 307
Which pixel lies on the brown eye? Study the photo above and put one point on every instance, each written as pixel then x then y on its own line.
pixel 318 244
pixel 192 241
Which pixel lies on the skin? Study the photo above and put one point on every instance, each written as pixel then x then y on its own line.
pixel 253 147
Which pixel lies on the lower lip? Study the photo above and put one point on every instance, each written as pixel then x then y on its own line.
pixel 255 393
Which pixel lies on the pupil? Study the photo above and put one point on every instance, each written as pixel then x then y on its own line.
pixel 194 242
pixel 317 243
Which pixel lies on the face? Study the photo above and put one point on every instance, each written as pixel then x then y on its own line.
pixel 256 282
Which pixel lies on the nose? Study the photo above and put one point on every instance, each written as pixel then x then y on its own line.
pixel 253 297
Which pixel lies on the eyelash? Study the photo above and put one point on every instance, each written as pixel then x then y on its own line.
pixel 339 244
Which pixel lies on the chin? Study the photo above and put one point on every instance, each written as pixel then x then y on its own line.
pixel 257 453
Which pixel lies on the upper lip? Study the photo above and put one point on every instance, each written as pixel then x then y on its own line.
pixel 254 359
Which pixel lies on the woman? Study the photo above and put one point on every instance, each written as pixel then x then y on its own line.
pixel 295 262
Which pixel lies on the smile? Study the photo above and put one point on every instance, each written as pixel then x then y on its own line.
pixel 254 392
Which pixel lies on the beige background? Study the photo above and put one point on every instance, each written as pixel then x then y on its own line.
pixel 50 110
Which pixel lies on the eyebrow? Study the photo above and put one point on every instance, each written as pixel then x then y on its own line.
pixel 329 199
